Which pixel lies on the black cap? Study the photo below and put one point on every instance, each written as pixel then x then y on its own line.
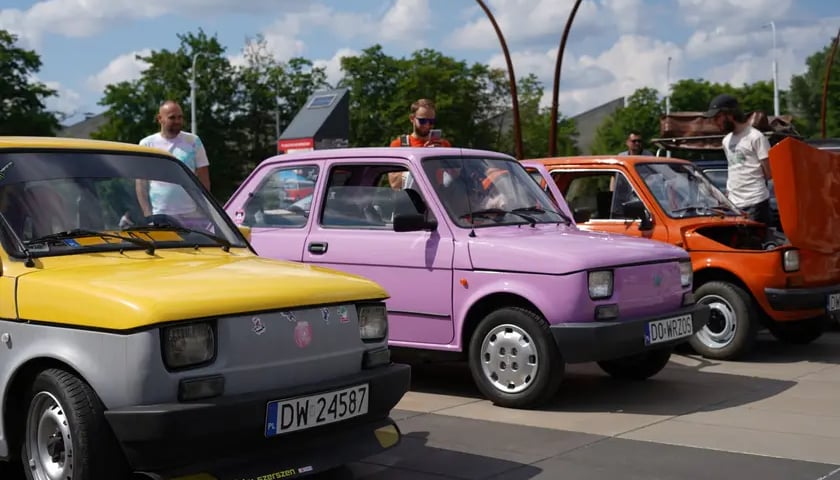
pixel 721 102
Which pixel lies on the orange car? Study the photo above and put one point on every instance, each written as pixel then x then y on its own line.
pixel 748 274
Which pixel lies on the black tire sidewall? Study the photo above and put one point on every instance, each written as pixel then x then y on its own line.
pixel 746 321
pixel 551 366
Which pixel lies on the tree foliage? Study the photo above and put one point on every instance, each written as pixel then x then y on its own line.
pixel 22 107
pixel 806 92
pixel 641 114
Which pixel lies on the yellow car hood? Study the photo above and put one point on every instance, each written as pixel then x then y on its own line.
pixel 115 292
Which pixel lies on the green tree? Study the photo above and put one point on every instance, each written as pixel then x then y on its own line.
pixel 806 92
pixel 22 99
pixel 641 114
pixel 268 96
pixel 694 95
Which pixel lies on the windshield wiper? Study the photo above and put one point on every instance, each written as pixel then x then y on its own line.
pixel 176 228
pixel 79 232
pixel 541 210
pixel 499 211
pixel 700 208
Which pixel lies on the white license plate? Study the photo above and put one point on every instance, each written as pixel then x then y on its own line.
pixel 283 416
pixel 834 302
pixel 659 331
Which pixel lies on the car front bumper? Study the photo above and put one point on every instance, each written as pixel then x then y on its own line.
pixel 224 437
pixel 606 340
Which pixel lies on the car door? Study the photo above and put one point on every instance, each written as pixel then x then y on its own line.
pixel 354 233
pixel 276 204
pixel 599 195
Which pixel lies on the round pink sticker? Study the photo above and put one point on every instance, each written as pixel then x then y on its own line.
pixel 303 334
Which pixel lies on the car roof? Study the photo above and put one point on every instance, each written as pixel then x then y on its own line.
pixel 372 153
pixel 607 160
pixel 64 143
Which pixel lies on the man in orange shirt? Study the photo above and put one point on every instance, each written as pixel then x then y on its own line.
pixel 422 118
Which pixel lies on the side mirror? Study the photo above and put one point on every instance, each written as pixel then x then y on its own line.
pixel 582 215
pixel 245 231
pixel 413 222
pixel 636 209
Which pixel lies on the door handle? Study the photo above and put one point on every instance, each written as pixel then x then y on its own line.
pixel 318 248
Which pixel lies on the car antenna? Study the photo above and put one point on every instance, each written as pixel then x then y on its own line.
pixel 28 261
pixel 467 193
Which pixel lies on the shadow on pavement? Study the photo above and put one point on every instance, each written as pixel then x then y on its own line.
pixel 676 390
pixel 414 459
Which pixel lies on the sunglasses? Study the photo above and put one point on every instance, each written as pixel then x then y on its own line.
pixel 425 121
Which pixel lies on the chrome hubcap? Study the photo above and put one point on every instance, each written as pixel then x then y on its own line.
pixel 509 358
pixel 720 330
pixel 48 441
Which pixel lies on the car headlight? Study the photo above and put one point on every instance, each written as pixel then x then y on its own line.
pixel 790 260
pixel 188 345
pixel 600 284
pixel 373 322
pixel 686 274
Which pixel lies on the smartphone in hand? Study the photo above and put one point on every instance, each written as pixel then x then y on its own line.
pixel 435 134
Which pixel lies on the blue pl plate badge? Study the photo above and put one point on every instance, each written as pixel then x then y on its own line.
pixel 71 243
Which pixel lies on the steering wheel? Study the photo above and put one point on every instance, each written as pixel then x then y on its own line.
pixel 162 220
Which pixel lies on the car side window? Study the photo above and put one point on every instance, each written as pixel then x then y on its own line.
pixel 600 194
pixel 283 199
pixel 369 196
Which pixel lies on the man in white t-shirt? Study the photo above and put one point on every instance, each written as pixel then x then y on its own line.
pixel 165 198
pixel 747 152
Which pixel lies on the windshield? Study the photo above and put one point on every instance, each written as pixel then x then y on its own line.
pixel 65 202
pixel 485 192
pixel 682 191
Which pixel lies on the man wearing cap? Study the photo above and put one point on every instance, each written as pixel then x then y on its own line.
pixel 747 152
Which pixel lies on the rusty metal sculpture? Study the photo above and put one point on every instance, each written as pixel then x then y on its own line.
pixel 552 135
pixel 517 132
pixel 828 64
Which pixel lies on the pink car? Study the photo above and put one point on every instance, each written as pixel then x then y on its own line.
pixel 480 263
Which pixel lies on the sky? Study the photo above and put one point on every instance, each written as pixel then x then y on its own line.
pixel 614 46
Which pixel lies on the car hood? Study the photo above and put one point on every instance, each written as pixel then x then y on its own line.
pixel 561 249
pixel 137 290
pixel 807 184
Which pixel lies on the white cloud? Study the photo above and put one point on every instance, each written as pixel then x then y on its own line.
pixel 332 67
pixel 125 67
pixel 738 14
pixel 67 102
pixel 82 18
pixel 407 20
pixel 543 19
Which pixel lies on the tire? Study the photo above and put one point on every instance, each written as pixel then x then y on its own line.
pixel 733 323
pixel 59 403
pixel 637 367
pixel 800 332
pixel 525 358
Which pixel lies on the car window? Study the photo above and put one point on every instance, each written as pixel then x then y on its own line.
pixel 283 198
pixel 369 196
pixel 718 177
pixel 58 203
pixel 601 194
pixel 682 192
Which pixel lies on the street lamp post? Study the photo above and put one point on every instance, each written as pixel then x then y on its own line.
pixel 772 26
pixel 668 88
pixel 193 121
pixel 828 64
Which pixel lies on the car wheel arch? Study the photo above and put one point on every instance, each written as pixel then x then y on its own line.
pixel 486 304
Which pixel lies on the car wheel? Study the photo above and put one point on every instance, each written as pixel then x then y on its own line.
pixel 800 332
pixel 733 324
pixel 637 367
pixel 514 360
pixel 65 435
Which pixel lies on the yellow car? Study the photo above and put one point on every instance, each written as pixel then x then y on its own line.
pixel 162 343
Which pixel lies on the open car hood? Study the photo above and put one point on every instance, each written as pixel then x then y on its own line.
pixel 807 183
